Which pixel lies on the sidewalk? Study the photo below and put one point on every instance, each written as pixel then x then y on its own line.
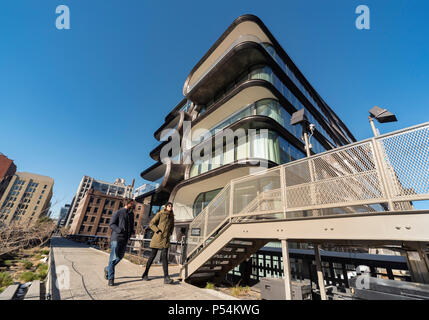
pixel 85 266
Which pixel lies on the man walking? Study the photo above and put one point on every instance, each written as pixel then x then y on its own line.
pixel 162 225
pixel 122 225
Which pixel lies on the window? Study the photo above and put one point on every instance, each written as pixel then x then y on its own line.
pixel 203 199
pixel 89 228
pixel 92 219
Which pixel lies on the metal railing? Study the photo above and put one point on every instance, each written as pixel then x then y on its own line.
pixel 384 173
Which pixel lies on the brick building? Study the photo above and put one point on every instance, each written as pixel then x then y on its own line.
pixel 95 211
pixel 7 170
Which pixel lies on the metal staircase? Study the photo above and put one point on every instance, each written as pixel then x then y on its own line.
pixel 360 192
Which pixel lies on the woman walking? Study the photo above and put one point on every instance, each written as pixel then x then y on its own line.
pixel 162 225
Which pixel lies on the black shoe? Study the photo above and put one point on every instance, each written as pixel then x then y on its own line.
pixel 111 283
pixel 145 277
pixel 106 273
pixel 168 280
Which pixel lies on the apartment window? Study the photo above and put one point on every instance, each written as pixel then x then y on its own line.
pixel 104 211
pixel 92 219
pixel 113 203
pixel 203 199
pixel 107 202
pixel 95 209
pixel 98 200
pixel 102 220
pixel 91 199
pixel 89 228
pixel 99 229
pixel 82 228
pixel 85 218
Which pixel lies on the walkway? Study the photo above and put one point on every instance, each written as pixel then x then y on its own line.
pixel 85 269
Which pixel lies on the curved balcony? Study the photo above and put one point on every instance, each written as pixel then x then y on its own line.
pixel 244 54
pixel 175 124
pixel 164 175
pixel 245 25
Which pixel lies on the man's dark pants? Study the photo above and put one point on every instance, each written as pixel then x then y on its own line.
pixel 117 252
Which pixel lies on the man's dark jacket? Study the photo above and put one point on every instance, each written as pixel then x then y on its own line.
pixel 122 225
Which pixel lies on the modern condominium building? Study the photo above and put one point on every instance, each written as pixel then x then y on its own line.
pixel 246 81
pixel 26 199
pixel 117 188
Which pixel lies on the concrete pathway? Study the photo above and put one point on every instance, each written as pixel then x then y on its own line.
pixel 84 266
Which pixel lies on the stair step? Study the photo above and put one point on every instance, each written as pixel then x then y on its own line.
pixel 208 264
pixel 202 270
pixel 241 243
pixel 203 275
pixel 233 256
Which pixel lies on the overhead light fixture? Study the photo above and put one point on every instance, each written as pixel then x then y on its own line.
pixel 382 115
pixel 299 117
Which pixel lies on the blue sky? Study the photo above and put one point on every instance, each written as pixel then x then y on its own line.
pixel 87 100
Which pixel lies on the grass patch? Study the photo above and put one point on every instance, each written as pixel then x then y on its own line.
pixel 8 263
pixel 44 251
pixel 5 279
pixel 37 256
pixel 27 264
pixel 29 276
pixel 238 291
pixel 210 285
pixel 42 271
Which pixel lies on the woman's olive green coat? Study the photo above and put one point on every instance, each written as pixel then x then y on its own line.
pixel 164 222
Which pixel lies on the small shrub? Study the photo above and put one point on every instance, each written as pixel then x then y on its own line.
pixel 27 264
pixel 5 279
pixel 44 251
pixel 210 285
pixel 8 263
pixel 29 276
pixel 42 271
pixel 37 256
pixel 238 291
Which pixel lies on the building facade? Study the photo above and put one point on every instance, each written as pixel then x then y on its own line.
pixel 95 211
pixel 26 199
pixel 246 81
pixel 7 170
pixel 117 188
pixel 63 215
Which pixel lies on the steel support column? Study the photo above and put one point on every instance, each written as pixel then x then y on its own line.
pixel 286 269
pixel 320 277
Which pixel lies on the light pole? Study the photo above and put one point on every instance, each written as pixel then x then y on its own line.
pixel 299 117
